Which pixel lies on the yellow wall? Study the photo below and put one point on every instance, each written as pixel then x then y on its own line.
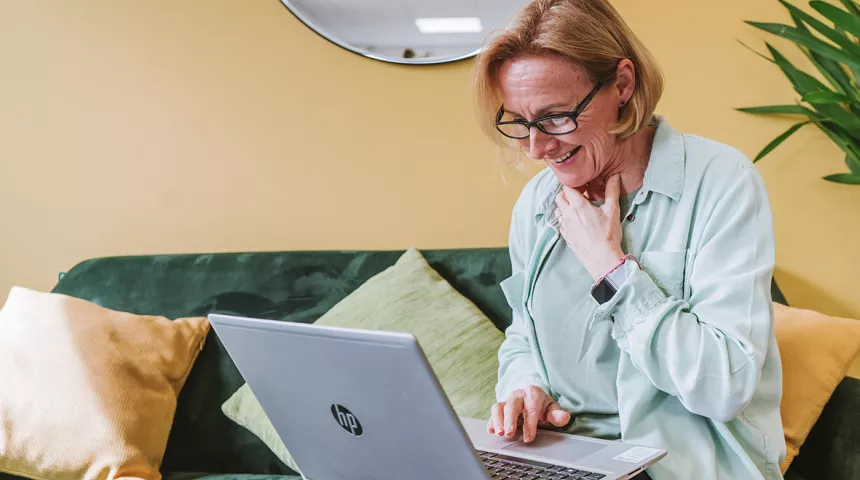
pixel 163 126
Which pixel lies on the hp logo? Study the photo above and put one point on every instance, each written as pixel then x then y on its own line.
pixel 347 420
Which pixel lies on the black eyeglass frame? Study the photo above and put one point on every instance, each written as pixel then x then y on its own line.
pixel 572 115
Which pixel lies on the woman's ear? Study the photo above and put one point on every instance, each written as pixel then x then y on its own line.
pixel 625 81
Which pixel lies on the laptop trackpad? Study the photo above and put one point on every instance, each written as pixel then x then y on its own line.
pixel 563 448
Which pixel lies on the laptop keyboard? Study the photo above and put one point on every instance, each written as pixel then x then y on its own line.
pixel 503 466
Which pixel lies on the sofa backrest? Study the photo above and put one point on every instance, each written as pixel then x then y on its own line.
pixel 290 286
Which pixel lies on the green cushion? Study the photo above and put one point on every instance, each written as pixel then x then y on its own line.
pixel 460 342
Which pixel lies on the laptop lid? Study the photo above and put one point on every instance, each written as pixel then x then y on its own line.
pixel 350 404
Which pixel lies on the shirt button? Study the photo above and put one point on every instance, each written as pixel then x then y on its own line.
pixel 631 217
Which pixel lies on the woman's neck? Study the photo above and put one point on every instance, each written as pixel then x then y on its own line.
pixel 629 159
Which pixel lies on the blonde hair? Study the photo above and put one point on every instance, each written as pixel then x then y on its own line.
pixel 592 33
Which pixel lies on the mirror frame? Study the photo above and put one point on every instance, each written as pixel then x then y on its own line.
pixel 371 55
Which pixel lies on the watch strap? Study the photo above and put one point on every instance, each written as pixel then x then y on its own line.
pixel 606 287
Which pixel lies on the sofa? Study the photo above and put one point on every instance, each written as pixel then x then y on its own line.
pixel 300 286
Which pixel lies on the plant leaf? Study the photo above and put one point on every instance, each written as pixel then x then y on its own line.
pixel 778 140
pixel 840 139
pixel 851 6
pixel 833 35
pixel 756 52
pixel 844 178
pixel 854 70
pixel 780 110
pixel 841 117
pixel 852 143
pixel 832 70
pixel 825 98
pixel 838 16
pixel 810 41
pixel 841 19
pixel 853 164
pixel 801 82
pixel 805 83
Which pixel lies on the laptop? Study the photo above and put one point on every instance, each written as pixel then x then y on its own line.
pixel 366 405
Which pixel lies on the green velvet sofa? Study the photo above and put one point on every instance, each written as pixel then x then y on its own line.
pixel 300 287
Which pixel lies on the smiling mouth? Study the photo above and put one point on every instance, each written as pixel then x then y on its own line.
pixel 566 156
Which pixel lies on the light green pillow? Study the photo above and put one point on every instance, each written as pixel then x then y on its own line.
pixel 460 342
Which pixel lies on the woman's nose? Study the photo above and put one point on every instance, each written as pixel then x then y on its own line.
pixel 540 143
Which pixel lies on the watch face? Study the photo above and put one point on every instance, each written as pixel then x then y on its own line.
pixel 603 292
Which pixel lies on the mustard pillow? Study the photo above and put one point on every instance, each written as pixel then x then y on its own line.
pixel 817 351
pixel 87 392
pixel 460 342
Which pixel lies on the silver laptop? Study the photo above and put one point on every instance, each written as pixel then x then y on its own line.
pixel 366 405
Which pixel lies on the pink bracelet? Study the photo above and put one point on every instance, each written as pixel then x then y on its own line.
pixel 620 262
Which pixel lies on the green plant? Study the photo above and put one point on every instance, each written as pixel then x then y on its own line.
pixel 834 50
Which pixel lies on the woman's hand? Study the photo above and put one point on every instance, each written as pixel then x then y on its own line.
pixel 535 407
pixel 593 233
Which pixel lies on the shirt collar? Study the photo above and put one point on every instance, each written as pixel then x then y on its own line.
pixel 665 171
pixel 664 174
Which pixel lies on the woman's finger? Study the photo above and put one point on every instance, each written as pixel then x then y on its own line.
pixel 513 409
pixel 556 416
pixel 613 192
pixel 561 200
pixel 558 217
pixel 497 416
pixel 574 198
pixel 531 414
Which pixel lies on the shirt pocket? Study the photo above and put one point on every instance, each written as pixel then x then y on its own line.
pixel 513 288
pixel 667 270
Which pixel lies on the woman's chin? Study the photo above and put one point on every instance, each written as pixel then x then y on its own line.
pixel 570 180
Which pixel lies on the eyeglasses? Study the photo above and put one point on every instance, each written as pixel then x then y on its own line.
pixel 556 124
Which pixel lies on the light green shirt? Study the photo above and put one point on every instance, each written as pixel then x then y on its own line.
pixel 581 365
pixel 699 371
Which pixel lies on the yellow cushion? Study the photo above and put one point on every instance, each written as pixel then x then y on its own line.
pixel 817 351
pixel 87 392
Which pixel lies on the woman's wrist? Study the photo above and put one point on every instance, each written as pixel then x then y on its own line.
pixel 608 263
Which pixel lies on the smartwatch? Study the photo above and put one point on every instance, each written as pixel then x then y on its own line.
pixel 606 287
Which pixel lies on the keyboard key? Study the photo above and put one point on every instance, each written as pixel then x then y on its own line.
pixel 503 467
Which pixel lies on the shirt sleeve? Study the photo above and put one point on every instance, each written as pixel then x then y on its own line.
pixel 517 367
pixel 709 350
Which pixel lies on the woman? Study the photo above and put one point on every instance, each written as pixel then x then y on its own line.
pixel 642 258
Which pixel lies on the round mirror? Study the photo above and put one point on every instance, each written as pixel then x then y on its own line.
pixel 406 31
